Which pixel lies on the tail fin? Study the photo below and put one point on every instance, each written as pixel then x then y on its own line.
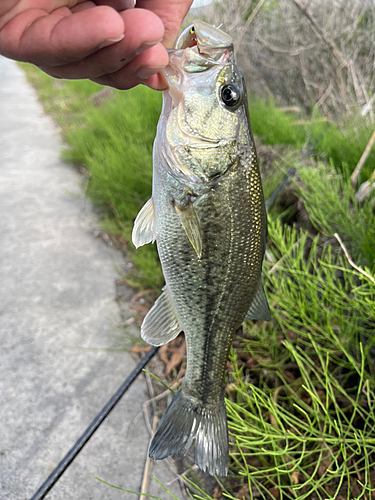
pixel 187 421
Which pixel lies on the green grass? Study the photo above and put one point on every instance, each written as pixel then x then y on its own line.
pixel 273 125
pixel 340 143
pixel 114 143
pixel 332 208
pixel 300 389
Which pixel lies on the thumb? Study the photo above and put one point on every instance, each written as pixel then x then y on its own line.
pixel 171 12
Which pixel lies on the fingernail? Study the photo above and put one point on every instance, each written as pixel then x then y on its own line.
pixel 148 71
pixel 146 46
pixel 110 41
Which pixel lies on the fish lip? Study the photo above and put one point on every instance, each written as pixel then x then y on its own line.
pixel 209 46
pixel 210 37
pixel 205 36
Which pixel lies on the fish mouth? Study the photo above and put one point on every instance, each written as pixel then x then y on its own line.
pixel 208 49
pixel 207 46
pixel 205 36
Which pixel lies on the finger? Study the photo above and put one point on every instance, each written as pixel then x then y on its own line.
pixel 171 12
pixel 12 8
pixel 134 73
pixel 60 37
pixel 143 30
pixel 156 82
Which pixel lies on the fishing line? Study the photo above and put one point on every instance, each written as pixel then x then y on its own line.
pixel 95 424
pixel 280 187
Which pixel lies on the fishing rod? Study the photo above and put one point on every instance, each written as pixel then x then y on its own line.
pixel 92 428
pixel 292 172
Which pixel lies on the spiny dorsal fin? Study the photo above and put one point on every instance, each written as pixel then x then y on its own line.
pixel 161 325
pixel 144 230
pixel 259 308
pixel 190 222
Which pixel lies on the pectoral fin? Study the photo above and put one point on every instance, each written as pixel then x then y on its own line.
pixel 259 308
pixel 144 230
pixel 161 325
pixel 190 222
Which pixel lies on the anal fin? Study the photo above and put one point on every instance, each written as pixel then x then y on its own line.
pixel 161 324
pixel 259 309
pixel 144 230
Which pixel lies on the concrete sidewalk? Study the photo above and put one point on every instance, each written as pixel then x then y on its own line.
pixel 58 314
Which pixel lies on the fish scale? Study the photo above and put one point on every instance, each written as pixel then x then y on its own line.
pixel 208 218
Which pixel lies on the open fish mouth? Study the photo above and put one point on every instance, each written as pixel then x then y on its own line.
pixel 205 37
pixel 199 65
pixel 209 47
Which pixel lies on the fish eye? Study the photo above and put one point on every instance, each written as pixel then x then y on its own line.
pixel 230 95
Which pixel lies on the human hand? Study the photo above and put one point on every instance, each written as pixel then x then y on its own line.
pixel 107 41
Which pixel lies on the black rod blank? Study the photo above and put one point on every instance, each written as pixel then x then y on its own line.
pixel 73 452
pixel 280 187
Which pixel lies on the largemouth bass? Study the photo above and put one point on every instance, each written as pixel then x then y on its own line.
pixel 208 218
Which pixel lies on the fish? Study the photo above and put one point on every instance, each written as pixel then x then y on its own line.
pixel 208 218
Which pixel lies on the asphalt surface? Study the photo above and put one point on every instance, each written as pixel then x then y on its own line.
pixel 58 320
